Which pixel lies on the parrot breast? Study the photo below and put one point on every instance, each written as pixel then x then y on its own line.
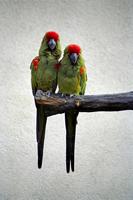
pixel 69 80
pixel 46 74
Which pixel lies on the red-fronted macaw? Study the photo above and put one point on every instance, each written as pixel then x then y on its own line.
pixel 72 79
pixel 44 77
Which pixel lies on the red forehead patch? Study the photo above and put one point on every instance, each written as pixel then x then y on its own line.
pixel 74 48
pixel 52 35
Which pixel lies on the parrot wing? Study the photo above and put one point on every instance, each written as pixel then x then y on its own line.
pixel 33 79
pixel 83 79
pixel 34 67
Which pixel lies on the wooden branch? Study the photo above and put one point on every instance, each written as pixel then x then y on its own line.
pixel 55 104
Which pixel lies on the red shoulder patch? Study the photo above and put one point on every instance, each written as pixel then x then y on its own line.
pixel 35 62
pixel 82 70
pixel 57 66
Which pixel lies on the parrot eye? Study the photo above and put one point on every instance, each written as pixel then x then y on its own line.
pixel 52 44
pixel 73 58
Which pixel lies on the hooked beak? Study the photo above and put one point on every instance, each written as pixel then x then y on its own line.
pixel 73 58
pixel 52 44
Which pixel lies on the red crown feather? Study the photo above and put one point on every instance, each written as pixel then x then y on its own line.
pixel 74 48
pixel 52 35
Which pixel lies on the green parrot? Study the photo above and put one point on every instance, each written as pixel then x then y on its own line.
pixel 72 79
pixel 44 70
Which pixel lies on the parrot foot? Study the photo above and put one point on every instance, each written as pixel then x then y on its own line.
pixel 61 94
pixel 39 94
pixel 48 93
pixel 72 95
pixel 66 95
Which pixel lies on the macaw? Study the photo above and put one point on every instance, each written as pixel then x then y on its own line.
pixel 72 79
pixel 44 77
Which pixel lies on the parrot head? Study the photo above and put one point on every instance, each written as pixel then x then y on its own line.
pixel 73 51
pixel 50 43
pixel 73 56
pixel 52 38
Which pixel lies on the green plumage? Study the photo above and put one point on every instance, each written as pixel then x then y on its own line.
pixel 44 77
pixel 71 80
pixel 44 50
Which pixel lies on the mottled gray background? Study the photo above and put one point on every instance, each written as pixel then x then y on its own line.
pixel 104 143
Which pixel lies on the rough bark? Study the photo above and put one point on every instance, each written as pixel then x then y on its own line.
pixel 56 104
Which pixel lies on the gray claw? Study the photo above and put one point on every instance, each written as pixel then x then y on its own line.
pixel 72 95
pixel 48 93
pixel 38 94
pixel 62 95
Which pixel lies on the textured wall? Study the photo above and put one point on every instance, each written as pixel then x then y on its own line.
pixel 104 143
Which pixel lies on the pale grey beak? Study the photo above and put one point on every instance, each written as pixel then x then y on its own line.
pixel 52 44
pixel 73 58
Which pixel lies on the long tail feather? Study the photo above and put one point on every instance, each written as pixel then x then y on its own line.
pixel 40 132
pixel 70 121
pixel 68 156
pixel 67 145
pixel 72 153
